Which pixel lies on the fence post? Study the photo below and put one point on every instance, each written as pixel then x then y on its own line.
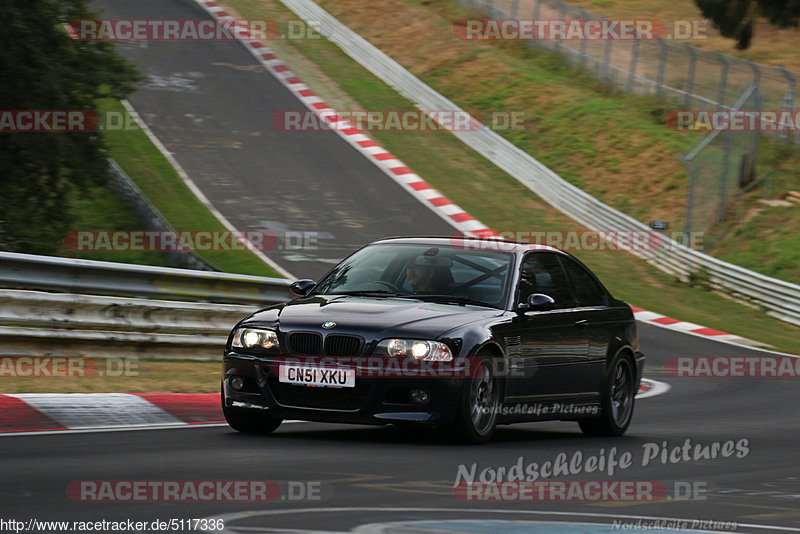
pixel 537 7
pixel 561 12
pixel 689 87
pixel 582 54
pixel 756 75
pixel 662 62
pixel 722 202
pixel 723 81
pixel 609 72
pixel 632 68
pixel 788 100
pixel 514 5
pixel 687 222
pixel 757 134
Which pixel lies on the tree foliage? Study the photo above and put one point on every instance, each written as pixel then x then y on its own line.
pixel 44 69
pixel 735 18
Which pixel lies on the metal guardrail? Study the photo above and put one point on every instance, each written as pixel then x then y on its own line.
pixel 27 271
pixel 778 298
pixel 67 322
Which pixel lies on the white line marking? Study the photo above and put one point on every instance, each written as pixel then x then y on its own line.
pixel 228 518
pixel 126 428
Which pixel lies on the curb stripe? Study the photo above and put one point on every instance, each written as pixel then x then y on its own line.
pixel 31 412
pixel 16 415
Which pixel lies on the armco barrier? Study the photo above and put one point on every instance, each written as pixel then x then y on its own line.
pixel 776 297
pixel 26 271
pixel 152 325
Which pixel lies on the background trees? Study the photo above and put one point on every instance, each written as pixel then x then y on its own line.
pixel 44 69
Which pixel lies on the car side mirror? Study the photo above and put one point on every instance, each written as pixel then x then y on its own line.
pixel 303 287
pixel 537 302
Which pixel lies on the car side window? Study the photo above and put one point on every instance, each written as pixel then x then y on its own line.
pixel 541 272
pixel 586 289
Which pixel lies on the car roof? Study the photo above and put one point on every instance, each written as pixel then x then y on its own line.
pixel 469 243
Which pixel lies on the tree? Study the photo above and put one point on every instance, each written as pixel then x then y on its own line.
pixel 735 18
pixel 44 69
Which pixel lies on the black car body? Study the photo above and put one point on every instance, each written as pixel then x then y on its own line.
pixel 496 333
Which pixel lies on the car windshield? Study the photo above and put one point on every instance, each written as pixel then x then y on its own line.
pixel 438 273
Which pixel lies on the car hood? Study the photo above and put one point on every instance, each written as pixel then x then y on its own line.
pixel 373 318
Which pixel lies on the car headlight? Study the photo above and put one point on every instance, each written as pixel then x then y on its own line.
pixel 419 349
pixel 250 338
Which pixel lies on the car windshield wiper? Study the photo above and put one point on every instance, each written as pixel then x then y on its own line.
pixel 367 293
pixel 453 299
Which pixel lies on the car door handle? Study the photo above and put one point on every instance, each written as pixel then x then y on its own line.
pixel 581 322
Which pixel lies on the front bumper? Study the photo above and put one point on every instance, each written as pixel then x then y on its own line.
pixel 374 400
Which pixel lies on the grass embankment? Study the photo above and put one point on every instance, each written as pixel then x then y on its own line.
pixel 612 145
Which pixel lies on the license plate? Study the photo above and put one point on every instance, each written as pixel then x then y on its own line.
pixel 316 376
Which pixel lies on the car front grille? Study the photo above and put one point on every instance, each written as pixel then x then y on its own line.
pixel 341 345
pixel 311 344
pixel 304 343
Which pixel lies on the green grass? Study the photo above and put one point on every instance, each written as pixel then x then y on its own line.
pixel 500 201
pixel 99 208
pixel 154 175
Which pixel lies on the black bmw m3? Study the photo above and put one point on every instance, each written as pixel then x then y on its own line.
pixel 458 333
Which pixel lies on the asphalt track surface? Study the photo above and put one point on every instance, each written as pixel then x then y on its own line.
pixel 210 103
pixel 396 479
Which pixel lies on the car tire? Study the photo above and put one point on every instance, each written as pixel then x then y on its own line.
pixel 248 420
pixel 618 395
pixel 476 418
